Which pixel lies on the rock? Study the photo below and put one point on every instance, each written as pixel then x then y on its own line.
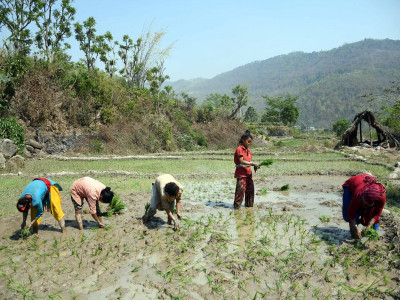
pixel 30 148
pixel 17 160
pixel 2 161
pixel 35 144
pixel 27 153
pixel 8 148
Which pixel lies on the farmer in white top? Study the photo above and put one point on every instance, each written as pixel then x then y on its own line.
pixel 165 191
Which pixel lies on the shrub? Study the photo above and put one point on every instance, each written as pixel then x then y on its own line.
pixel 97 146
pixel 11 129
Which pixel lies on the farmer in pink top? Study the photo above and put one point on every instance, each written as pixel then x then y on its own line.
pixel 93 191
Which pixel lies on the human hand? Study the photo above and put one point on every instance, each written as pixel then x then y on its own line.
pixel 179 215
pixel 101 225
pixel 176 225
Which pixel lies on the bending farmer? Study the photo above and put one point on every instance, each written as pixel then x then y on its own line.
pixel 165 191
pixel 94 192
pixel 363 201
pixel 243 174
pixel 40 194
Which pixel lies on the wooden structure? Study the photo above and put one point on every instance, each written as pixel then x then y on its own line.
pixel 384 134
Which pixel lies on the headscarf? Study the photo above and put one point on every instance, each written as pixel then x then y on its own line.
pixel 373 190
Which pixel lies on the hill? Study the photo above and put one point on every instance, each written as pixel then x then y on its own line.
pixel 329 84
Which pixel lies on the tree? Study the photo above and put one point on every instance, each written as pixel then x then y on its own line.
pixel 250 115
pixel 16 15
pixel 190 102
pixel 140 58
pixel 223 104
pixel 240 100
pixel 86 36
pixel 281 109
pixel 109 55
pixel 340 126
pixel 54 27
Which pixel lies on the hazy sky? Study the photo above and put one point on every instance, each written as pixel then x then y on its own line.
pixel 214 36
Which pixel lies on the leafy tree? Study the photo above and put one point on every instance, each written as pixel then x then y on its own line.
pixel 109 54
pixel 140 58
pixel 240 100
pixel 16 15
pixel 54 27
pixel 250 115
pixel 86 36
pixel 340 126
pixel 281 109
pixel 223 104
pixel 391 109
pixel 190 102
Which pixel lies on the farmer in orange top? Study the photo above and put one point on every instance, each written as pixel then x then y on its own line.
pixel 94 192
pixel 363 201
pixel 243 161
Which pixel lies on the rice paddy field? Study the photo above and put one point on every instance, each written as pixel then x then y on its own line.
pixel 292 244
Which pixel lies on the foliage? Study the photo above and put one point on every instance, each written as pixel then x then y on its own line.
pixel 281 109
pixel 371 233
pixel 117 205
pixel 267 162
pixel 11 129
pixel 85 34
pixel 54 27
pixel 240 100
pixel 285 187
pixel 250 115
pixel 340 126
pixel 16 17
pixel 325 218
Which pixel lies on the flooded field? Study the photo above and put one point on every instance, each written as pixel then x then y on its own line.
pixel 292 244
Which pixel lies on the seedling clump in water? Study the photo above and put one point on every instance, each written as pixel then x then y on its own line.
pixel 325 218
pixel 285 187
pixel 371 233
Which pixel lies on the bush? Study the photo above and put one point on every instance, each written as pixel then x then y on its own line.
pixel 11 129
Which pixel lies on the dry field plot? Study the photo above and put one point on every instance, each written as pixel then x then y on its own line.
pixel 292 244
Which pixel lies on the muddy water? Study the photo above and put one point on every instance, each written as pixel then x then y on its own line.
pixel 280 248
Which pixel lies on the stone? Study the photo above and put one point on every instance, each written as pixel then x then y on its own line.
pixel 17 160
pixel 30 148
pixel 35 144
pixel 8 148
pixel 2 161
pixel 27 153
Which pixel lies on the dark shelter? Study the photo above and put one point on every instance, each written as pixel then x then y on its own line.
pixel 353 136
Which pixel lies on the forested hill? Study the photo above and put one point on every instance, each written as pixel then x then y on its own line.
pixel 329 84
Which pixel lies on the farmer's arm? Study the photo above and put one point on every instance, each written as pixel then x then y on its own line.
pixel 24 217
pixel 94 209
pixel 248 163
pixel 178 210
pixel 171 216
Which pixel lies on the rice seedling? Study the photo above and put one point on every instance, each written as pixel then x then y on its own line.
pixel 285 187
pixel 371 234
pixel 117 205
pixel 267 162
pixel 263 191
pixel 325 218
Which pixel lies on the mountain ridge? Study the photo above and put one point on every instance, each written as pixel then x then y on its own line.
pixel 329 83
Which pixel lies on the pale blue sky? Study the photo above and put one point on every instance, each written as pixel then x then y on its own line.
pixel 215 36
